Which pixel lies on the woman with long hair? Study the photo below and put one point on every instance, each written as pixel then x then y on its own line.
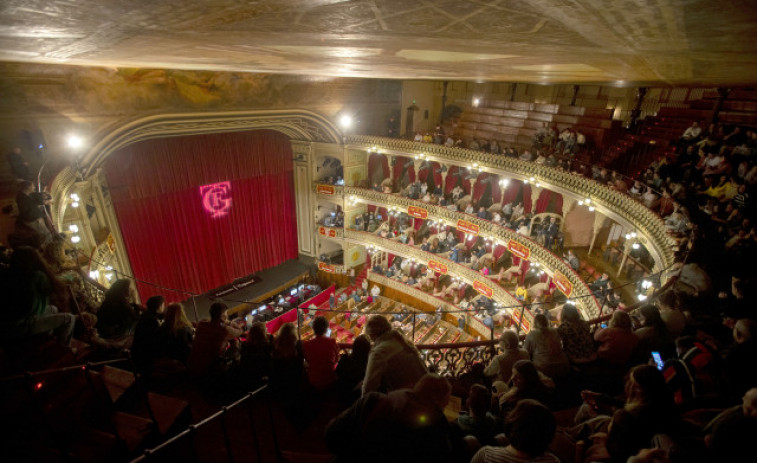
pixel 256 355
pixel 527 383
pixel 178 331
pixel 287 366
pixel 577 342
pixel 117 315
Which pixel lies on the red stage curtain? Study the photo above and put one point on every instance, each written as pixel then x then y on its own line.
pixel 453 175
pixel 511 192
pixel 527 202
pixel 399 164
pixel 172 238
pixel 549 201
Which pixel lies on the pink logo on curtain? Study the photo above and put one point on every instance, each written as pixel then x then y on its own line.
pixel 215 198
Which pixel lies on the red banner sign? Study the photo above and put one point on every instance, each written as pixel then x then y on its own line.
pixel 325 189
pixel 519 249
pixel 467 227
pixel 417 212
pixel 332 233
pixel 527 319
pixel 562 283
pixel 437 267
pixel 483 288
pixel 326 267
pixel 322 231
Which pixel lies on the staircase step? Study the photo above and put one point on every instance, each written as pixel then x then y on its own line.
pixel 132 429
pixel 169 411
pixel 117 381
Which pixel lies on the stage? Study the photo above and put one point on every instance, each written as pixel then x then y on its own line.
pixel 267 283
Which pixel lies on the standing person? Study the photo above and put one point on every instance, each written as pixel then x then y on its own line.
pixel 350 370
pixel 617 342
pixel 256 355
pixel 31 214
pixel 286 372
pixel 394 362
pixel 543 344
pixel 577 342
pixel 321 354
pixel 178 331
pixel 211 341
pixel 149 341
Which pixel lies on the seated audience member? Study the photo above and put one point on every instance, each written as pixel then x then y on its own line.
pixel 617 342
pixel 350 370
pixel 577 342
pixel 501 366
pixel 211 341
pixel 738 366
pixel 478 426
pixel 178 331
pixel 648 410
pixel 405 425
pixel 653 334
pixel 529 428
pixel 287 367
pixel 321 354
pixel 149 342
pixel 527 383
pixel 692 374
pixel 117 315
pixel 28 288
pixel 255 363
pixel 394 362
pixel 544 347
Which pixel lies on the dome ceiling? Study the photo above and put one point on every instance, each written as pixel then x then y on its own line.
pixel 620 42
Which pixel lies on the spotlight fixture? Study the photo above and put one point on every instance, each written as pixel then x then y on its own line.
pixel 345 121
pixel 75 239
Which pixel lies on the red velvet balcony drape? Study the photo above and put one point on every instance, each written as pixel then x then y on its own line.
pixel 182 233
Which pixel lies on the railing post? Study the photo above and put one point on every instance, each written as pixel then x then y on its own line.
pixel 194 306
pixel 413 326
pixel 253 427
pixel 225 430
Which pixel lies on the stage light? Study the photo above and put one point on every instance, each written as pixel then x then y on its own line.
pixel 75 197
pixel 345 121
pixel 75 142
pixel 75 239
pixel 75 204
pixel 581 202
pixel 591 208
pixel 635 246
pixel 73 228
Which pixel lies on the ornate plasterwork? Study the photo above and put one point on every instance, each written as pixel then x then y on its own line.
pixel 549 261
pixel 620 207
pixel 299 125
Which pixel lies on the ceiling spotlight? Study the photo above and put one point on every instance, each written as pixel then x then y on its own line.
pixel 75 204
pixel 476 102
pixel 75 239
pixel 581 202
pixel 75 196
pixel 591 208
pixel 75 142
pixel 345 121
pixel 635 246
pixel 73 228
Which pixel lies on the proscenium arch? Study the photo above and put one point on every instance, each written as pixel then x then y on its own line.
pixel 297 124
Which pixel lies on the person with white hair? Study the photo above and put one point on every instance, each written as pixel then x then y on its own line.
pixel 394 362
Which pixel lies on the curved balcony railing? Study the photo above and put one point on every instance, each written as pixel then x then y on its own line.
pixel 430 299
pixel 555 266
pixel 614 204
pixel 475 279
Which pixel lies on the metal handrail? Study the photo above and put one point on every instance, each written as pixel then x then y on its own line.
pixel 89 365
pixel 193 428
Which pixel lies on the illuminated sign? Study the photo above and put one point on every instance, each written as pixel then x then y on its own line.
pixel 519 249
pixel 437 267
pixel 483 288
pixel 325 189
pixel 417 212
pixel 216 198
pixel 528 318
pixel 562 283
pixel 467 227
pixel 326 267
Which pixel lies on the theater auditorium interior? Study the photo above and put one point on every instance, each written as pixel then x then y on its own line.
pixel 378 230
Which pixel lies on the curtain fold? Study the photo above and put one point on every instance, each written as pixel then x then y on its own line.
pixel 197 212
